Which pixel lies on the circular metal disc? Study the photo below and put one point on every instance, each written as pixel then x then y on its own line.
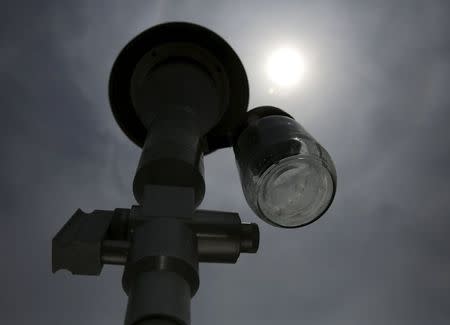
pixel 119 83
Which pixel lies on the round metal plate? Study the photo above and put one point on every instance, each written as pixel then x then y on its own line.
pixel 119 83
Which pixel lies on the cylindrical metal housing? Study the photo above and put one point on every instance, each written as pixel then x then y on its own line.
pixel 161 274
pixel 159 295
pixel 171 156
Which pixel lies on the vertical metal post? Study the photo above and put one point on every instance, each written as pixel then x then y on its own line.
pixel 161 274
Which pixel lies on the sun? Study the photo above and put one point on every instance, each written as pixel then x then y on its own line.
pixel 286 67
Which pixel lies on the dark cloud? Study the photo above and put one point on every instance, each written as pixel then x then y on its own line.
pixel 377 99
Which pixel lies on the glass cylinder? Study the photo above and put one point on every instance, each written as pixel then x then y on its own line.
pixel 288 179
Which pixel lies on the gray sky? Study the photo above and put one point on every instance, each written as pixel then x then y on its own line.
pixel 377 97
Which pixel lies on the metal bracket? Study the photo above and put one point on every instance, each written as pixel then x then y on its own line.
pixel 90 240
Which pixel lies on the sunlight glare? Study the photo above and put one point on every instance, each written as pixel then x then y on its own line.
pixel 285 67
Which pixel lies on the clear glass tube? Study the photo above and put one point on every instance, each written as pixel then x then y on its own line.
pixel 288 179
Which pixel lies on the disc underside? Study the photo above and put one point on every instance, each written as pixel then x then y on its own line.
pixel 119 84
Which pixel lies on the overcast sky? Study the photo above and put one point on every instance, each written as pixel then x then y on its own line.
pixel 376 96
